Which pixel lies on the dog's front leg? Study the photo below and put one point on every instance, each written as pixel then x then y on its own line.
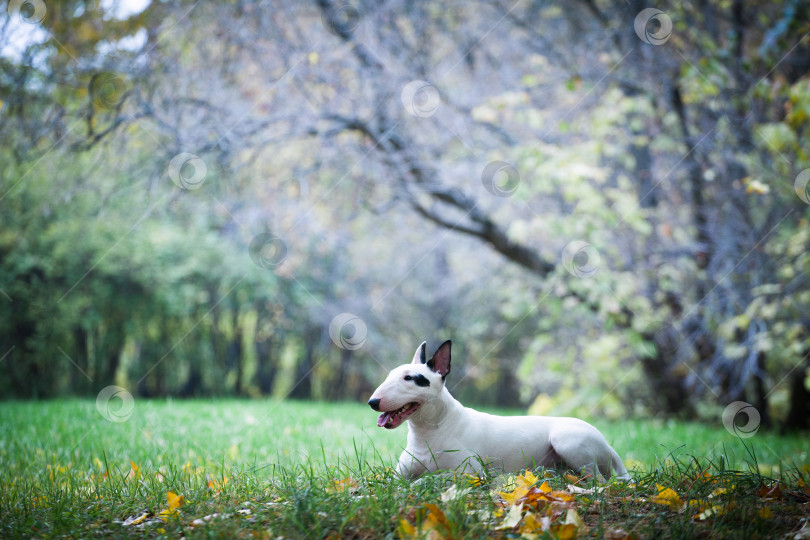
pixel 409 467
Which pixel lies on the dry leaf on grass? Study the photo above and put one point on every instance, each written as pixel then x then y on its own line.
pixel 435 525
pixel 453 492
pixel 512 517
pixel 346 484
pixel 134 472
pixel 533 523
pixel 136 520
pixel 770 492
pixel 668 497
pixel 174 502
pixel 217 485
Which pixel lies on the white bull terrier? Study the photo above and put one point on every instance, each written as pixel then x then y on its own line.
pixel 443 434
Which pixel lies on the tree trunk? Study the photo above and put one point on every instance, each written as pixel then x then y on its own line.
pixel 762 391
pixel 265 366
pixel 194 382
pixel 339 388
pixel 799 413
pixel 302 388
pixel 668 387
pixel 235 350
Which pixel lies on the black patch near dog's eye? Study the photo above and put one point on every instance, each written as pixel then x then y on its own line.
pixel 421 380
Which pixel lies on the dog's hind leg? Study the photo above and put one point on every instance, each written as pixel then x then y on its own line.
pixel 618 466
pixel 581 449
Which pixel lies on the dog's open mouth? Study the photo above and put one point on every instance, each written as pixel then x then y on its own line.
pixel 392 419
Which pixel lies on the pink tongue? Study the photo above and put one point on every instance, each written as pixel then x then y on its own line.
pixel 383 419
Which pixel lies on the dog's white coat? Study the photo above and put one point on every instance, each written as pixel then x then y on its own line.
pixel 443 434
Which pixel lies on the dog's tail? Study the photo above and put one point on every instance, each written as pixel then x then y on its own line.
pixel 618 466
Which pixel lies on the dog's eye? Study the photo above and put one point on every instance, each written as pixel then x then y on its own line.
pixel 408 378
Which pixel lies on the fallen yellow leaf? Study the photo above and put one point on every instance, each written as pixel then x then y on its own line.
pixel 135 520
pixel 716 510
pixel 339 486
pixel 174 501
pixel 572 518
pixel 765 513
pixel 563 496
pixel 434 526
pixel 696 504
pixel 567 531
pixel 216 485
pixel 475 480
pixel 706 477
pixel 532 523
pixel 513 497
pixel 512 517
pixel 667 497
pixel 405 529
pixel 572 479
pixel 453 492
pixel 436 515
pixel 134 472
pixel 529 478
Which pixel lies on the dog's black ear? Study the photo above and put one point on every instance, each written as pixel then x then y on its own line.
pixel 419 356
pixel 440 363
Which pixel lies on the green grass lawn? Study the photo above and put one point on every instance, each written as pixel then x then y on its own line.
pixel 297 469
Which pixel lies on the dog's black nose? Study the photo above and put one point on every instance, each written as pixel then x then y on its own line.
pixel 374 403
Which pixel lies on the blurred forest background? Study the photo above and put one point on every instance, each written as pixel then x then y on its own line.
pixel 605 208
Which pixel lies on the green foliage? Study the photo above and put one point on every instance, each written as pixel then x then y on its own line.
pixel 675 163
